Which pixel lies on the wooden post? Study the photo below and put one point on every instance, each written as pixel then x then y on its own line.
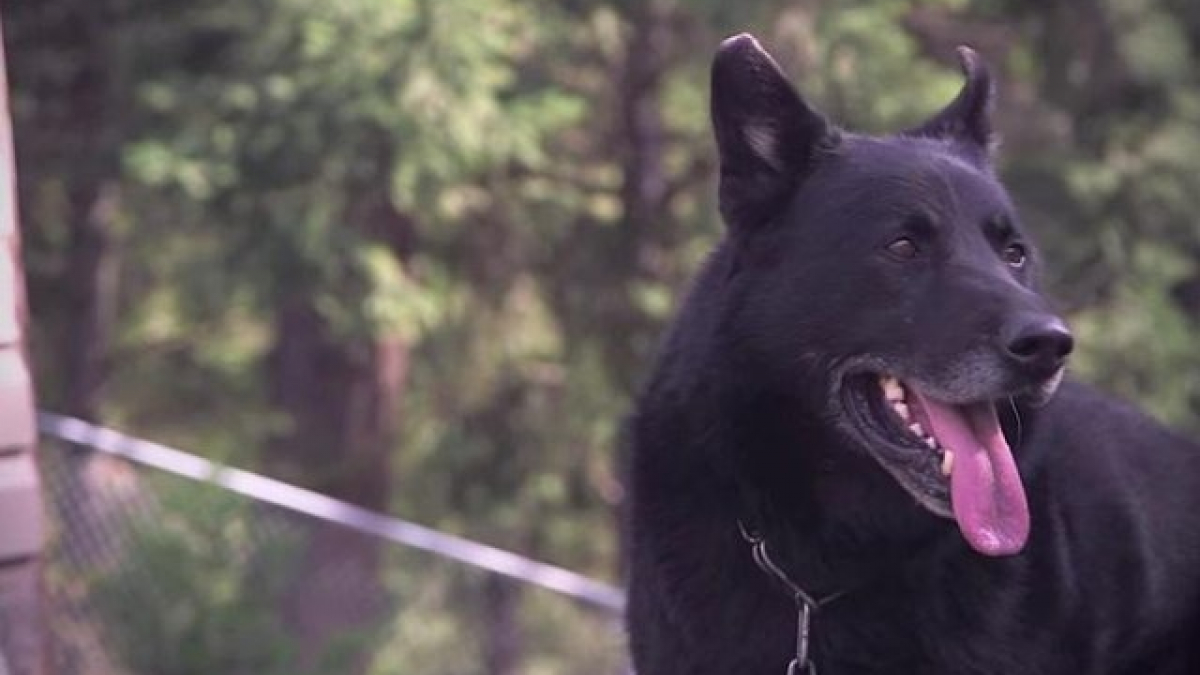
pixel 21 527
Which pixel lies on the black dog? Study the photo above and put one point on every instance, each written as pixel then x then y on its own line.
pixel 854 422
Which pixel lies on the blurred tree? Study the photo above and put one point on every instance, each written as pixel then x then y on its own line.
pixel 72 78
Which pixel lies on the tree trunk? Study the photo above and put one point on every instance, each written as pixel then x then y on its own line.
pixel 645 195
pixel 502 649
pixel 342 397
pixel 90 285
pixel 70 133
pixel 644 226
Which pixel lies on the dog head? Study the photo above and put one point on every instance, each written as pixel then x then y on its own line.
pixel 896 270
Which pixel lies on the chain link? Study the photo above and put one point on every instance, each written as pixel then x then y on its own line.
pixel 802 664
pixel 806 605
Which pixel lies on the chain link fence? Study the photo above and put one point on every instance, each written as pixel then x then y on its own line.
pixel 151 573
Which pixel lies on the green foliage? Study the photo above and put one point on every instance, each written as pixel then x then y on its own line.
pixel 557 635
pixel 196 588
pixel 1143 331
pixel 873 76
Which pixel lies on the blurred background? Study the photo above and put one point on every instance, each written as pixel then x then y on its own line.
pixel 416 255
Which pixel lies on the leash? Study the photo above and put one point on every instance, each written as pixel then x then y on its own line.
pixel 806 605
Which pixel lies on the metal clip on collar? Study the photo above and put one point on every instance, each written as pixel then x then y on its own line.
pixel 806 605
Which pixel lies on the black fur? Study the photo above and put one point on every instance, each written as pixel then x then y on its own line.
pixel 740 420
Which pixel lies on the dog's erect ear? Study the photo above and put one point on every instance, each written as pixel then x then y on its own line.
pixel 767 136
pixel 967 121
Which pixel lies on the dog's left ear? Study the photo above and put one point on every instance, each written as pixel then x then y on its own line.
pixel 967 121
pixel 767 136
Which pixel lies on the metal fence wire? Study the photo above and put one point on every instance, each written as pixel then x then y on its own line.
pixel 152 573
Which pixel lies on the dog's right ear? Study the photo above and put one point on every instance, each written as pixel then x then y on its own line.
pixel 767 136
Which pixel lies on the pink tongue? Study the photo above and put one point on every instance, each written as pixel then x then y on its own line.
pixel 985 488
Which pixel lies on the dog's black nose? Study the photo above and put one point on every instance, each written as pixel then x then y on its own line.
pixel 1039 344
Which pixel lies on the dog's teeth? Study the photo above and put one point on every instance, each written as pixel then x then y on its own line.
pixel 901 409
pixel 931 442
pixel 947 463
pixel 917 430
pixel 892 389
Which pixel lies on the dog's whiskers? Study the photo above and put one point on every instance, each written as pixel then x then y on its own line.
pixel 1017 415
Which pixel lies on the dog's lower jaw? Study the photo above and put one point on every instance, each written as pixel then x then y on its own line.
pixel 910 462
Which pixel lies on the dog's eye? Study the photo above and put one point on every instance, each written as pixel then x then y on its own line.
pixel 1014 255
pixel 903 248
